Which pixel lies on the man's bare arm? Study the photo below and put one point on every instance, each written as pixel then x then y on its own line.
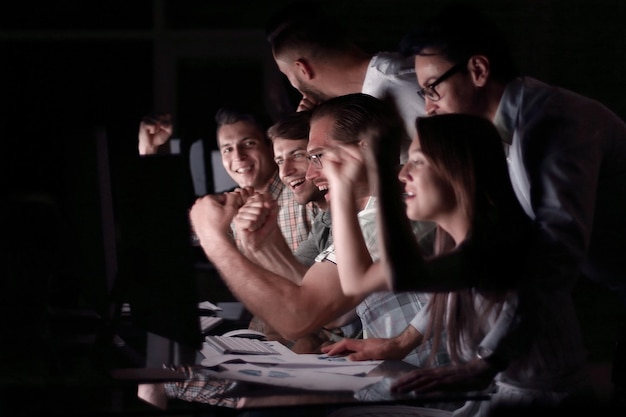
pixel 293 310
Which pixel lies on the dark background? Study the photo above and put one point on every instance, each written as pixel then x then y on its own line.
pixel 69 67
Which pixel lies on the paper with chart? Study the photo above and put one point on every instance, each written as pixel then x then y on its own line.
pixel 306 371
pixel 292 377
pixel 288 358
pixel 330 364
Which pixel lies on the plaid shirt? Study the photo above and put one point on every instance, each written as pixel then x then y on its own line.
pixel 294 219
pixel 202 388
pixel 387 314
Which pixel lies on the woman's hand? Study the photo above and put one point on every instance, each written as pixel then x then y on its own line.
pixel 475 375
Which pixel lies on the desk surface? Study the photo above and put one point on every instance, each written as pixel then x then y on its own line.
pixel 76 380
pixel 250 396
pixel 378 393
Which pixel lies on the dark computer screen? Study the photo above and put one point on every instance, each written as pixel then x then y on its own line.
pixel 155 275
pixel 155 251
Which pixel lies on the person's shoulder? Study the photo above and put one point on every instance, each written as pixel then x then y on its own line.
pixel 549 108
pixel 393 63
pixel 536 92
pixel 390 73
pixel 367 216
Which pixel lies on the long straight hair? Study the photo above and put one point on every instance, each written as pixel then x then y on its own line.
pixel 466 152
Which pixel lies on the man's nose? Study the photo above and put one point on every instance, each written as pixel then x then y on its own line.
pixel 312 172
pixel 430 107
pixel 286 168
pixel 240 152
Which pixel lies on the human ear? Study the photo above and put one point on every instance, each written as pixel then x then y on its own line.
pixel 304 68
pixel 479 69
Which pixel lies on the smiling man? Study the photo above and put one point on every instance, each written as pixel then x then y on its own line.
pixel 259 237
pixel 290 137
pixel 316 301
pixel 246 153
pixel 258 240
pixel 248 158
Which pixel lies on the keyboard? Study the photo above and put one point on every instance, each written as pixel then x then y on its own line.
pixel 240 345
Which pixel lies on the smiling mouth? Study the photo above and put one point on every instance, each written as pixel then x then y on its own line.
pixel 243 170
pixel 295 183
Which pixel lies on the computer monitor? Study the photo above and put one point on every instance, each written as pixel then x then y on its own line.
pixel 151 263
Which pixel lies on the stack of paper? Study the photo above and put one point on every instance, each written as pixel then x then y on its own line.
pixel 306 371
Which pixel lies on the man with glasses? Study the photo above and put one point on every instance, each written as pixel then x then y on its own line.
pixel 317 301
pixel 566 152
pixel 290 138
pixel 429 92
pixel 261 239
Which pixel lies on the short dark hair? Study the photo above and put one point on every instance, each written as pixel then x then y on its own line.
pixel 458 32
pixel 360 116
pixel 305 25
pixel 230 114
pixel 294 126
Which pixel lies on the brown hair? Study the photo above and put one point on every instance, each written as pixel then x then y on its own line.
pixel 305 29
pixel 360 116
pixel 467 153
pixel 294 126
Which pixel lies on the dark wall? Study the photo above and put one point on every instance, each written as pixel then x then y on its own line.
pixel 69 66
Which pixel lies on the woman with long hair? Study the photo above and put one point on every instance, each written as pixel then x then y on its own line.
pixel 456 176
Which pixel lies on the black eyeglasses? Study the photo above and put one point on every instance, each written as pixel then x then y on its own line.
pixel 316 160
pixel 429 92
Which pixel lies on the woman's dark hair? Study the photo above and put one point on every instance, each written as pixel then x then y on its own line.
pixel 467 153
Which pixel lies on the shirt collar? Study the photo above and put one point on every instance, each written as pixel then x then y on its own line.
pixel 371 203
pixel 275 186
pixel 508 109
